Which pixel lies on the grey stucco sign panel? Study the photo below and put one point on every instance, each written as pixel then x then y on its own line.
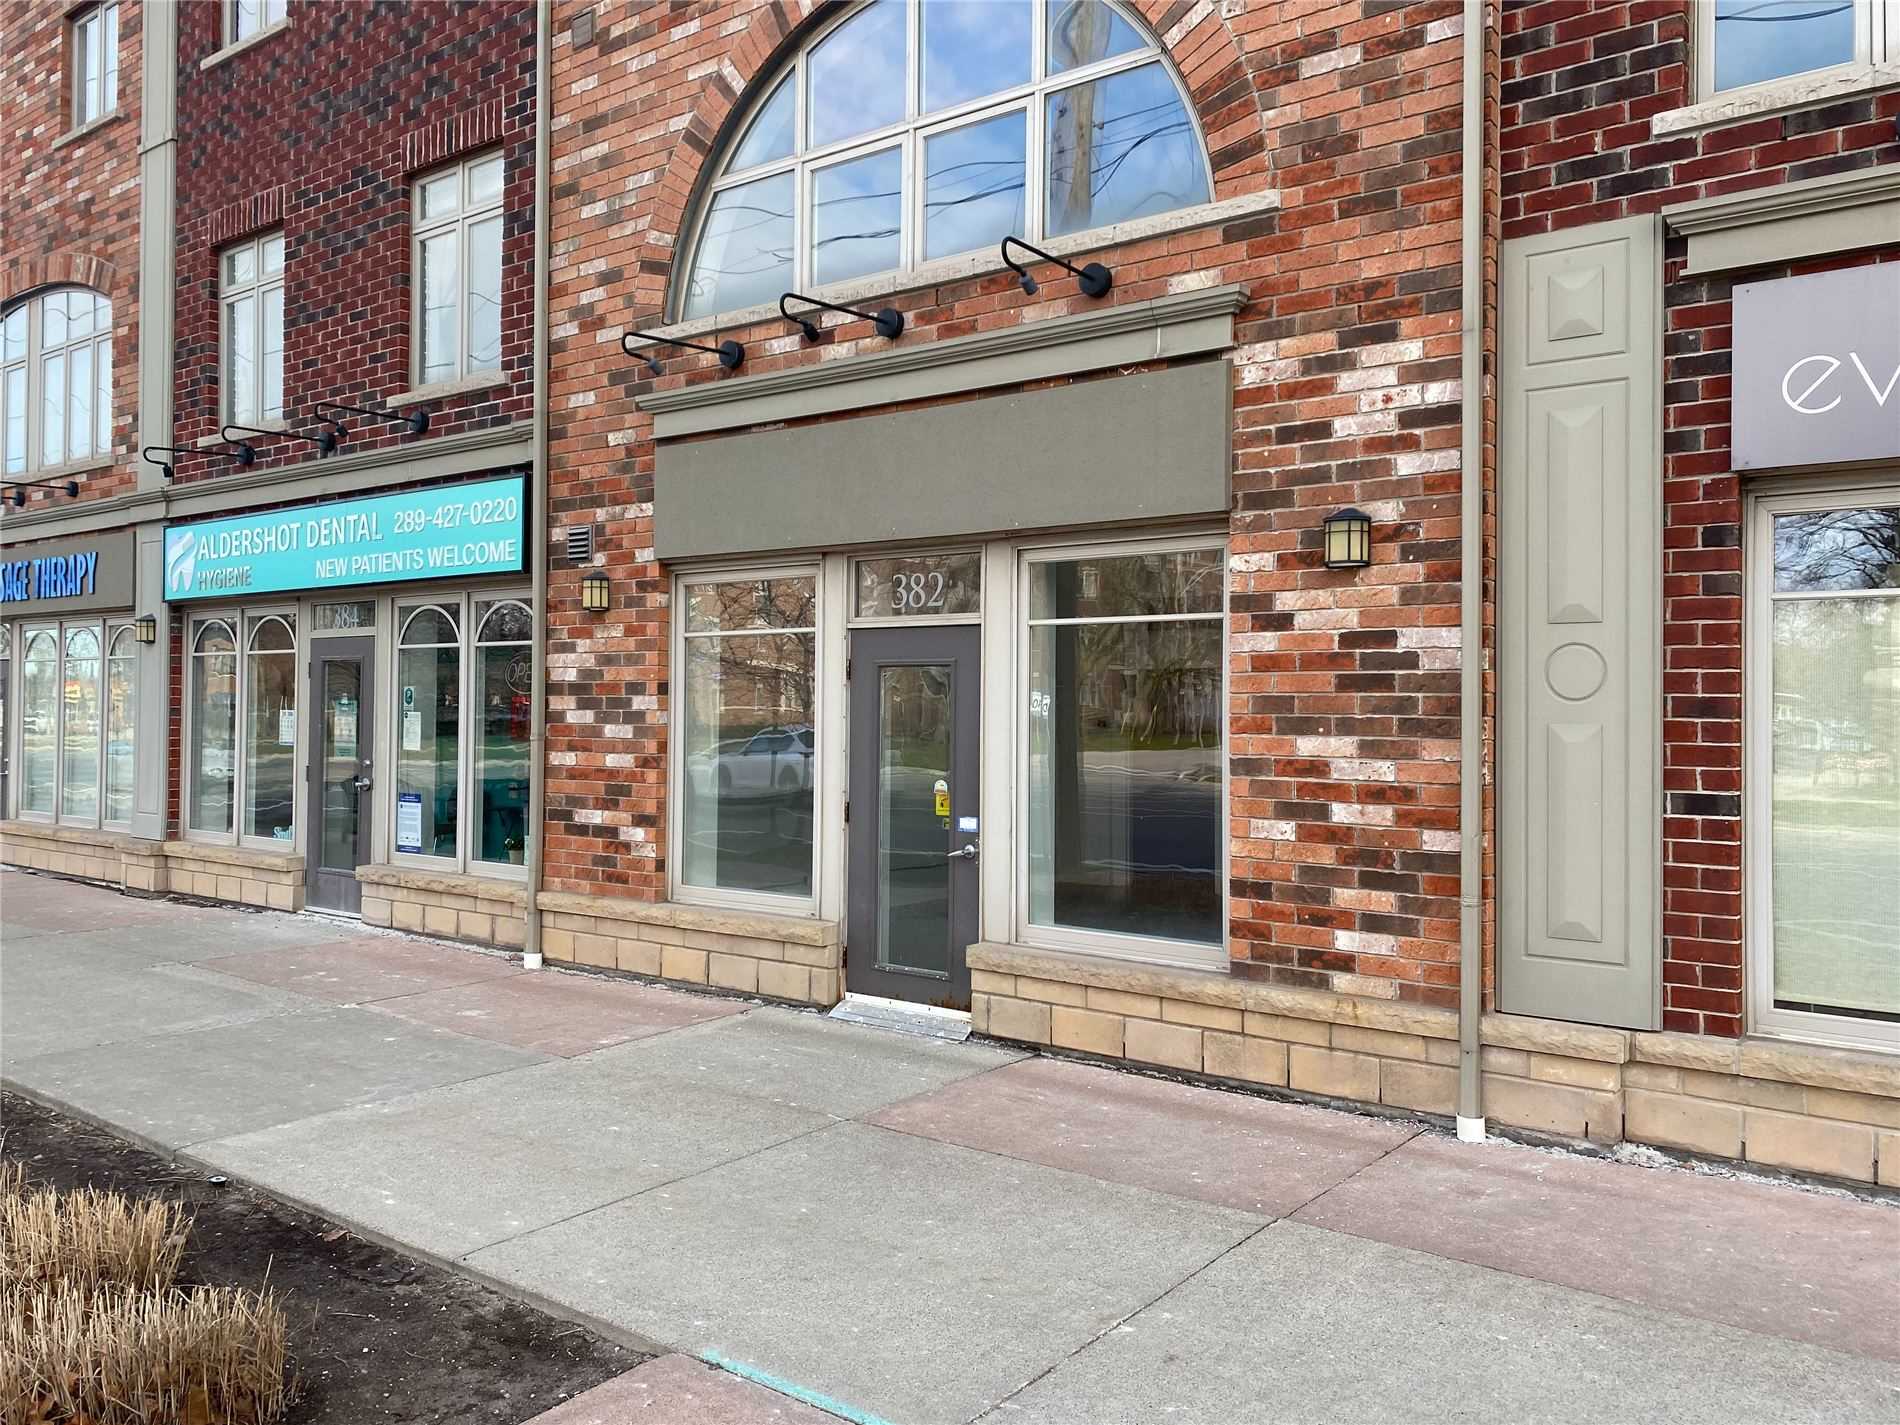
pixel 1817 369
pixel 86 574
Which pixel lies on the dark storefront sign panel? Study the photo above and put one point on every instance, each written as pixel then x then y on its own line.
pixel 62 576
pixel 1817 369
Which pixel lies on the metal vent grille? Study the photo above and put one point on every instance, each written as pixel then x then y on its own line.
pixel 580 543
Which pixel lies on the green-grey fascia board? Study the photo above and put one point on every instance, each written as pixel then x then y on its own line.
pixel 1177 325
pixel 1789 221
pixel 438 458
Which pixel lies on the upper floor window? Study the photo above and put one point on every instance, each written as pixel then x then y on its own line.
pixel 244 18
pixel 95 63
pixel 1748 42
pixel 913 130
pixel 56 380
pixel 251 282
pixel 457 270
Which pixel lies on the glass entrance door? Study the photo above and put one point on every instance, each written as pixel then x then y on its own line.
pixel 914 833
pixel 340 771
pixel 6 726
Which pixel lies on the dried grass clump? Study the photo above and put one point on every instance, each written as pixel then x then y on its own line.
pixel 93 1332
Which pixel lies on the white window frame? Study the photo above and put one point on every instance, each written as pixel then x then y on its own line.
pixel 32 365
pixel 827 748
pixel 101 20
pixel 229 294
pixel 462 603
pixel 1876 42
pixel 1140 948
pixel 240 620
pixel 465 216
pixel 105 629
pixel 910 132
pixel 1762 505
pixel 269 14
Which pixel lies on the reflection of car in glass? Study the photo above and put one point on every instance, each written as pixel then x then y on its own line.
pixel 772 761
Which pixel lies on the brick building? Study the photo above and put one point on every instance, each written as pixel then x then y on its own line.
pixel 1220 536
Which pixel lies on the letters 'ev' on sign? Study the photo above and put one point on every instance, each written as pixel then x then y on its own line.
pixel 1817 368
pixel 441 532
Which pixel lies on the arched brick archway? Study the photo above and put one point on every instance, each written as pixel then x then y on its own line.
pixel 1193 33
pixel 68 267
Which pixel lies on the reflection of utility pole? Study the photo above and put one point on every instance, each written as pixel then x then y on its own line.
pixel 1083 28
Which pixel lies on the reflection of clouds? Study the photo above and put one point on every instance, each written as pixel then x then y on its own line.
pixel 973 48
pixel 857 75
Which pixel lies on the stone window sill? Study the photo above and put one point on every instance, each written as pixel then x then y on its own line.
pixel 444 390
pixel 237 47
pixel 71 468
pixel 83 132
pixel 1782 96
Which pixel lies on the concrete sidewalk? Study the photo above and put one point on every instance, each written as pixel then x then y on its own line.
pixel 902 1230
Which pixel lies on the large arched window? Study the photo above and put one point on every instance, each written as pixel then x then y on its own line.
pixel 56 380
pixel 915 130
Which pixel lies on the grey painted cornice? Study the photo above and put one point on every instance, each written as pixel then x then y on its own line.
pixel 1180 324
pixel 440 458
pixel 1790 220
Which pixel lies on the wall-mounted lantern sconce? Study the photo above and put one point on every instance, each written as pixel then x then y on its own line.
pixel 1348 536
pixel 417 420
pixel 324 440
pixel 245 454
pixel 20 487
pixel 1094 280
pixel 731 355
pixel 145 628
pixel 888 320
pixel 597 592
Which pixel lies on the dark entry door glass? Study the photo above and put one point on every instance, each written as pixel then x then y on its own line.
pixel 915 831
pixel 6 730
pixel 341 770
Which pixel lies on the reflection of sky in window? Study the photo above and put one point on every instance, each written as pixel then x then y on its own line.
pixel 973 185
pixel 745 248
pixel 1120 148
pixel 1085 31
pixel 856 75
pixel 973 48
pixel 1769 39
pixel 856 214
pixel 769 135
pixel 1833 550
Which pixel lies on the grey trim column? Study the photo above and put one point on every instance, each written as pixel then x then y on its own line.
pixel 158 248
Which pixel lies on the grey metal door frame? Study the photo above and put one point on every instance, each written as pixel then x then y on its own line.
pixel 348 781
pixel 956 649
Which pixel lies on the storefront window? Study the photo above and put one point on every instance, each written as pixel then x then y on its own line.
pixel 270 740
pixel 121 670
pixel 213 726
pixel 504 687
pixel 1833 628
pixel 79 728
pixel 747 744
pixel 71 725
pixel 39 721
pixel 1124 776
pixel 428 725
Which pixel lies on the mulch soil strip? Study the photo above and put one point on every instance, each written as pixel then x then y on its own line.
pixel 374 1335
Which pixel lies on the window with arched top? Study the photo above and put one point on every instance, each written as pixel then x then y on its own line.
pixel 55 380
pixel 75 750
pixel 910 131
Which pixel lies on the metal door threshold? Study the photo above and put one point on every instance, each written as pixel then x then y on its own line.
pixel 924 1020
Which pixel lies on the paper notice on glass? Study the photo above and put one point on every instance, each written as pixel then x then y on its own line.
pixel 412 732
pixel 343 731
pixel 286 727
pixel 409 821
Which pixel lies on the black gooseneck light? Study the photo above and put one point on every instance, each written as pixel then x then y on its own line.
pixel 730 353
pixel 1094 280
pixel 324 440
pixel 19 488
pixel 245 454
pixel 417 420
pixel 888 320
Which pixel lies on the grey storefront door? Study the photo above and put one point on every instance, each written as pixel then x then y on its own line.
pixel 341 770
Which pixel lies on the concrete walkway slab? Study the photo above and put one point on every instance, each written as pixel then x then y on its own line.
pixel 917 1281
pixel 366 968
pixel 46 903
pixel 1803 1265
pixel 804 1060
pixel 1305 1325
pixel 207 936
pixel 676 1390
pixel 1246 1153
pixel 453 1169
pixel 556 1012
pixel 181 1088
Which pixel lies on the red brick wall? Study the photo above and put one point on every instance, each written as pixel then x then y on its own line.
pixel 70 214
pixel 1581 83
pixel 318 130
pixel 1344 714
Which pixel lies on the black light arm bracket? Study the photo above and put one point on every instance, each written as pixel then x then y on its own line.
pixel 417 420
pixel 20 487
pixel 245 454
pixel 730 353
pixel 1095 279
pixel 324 440
pixel 888 320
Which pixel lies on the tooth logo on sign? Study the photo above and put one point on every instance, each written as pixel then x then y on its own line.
pixel 181 561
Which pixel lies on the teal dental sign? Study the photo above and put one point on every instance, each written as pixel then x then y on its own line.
pixel 441 533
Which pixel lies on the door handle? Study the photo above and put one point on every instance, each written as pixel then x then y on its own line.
pixel 966 853
pixel 362 783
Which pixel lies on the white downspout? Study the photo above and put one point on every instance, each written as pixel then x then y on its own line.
pixel 538 720
pixel 1471 589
